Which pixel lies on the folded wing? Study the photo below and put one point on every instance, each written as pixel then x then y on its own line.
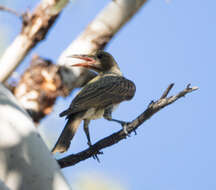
pixel 102 93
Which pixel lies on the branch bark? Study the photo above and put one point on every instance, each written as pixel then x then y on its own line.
pixel 39 87
pixel 153 108
pixel 25 161
pixel 34 29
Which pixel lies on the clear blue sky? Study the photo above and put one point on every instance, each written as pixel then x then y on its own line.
pixel 163 43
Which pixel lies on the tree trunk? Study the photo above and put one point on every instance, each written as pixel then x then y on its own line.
pixel 25 161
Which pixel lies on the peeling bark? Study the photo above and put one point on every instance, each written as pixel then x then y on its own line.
pixel 39 87
pixel 34 29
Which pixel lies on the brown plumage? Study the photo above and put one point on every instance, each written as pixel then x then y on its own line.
pixel 97 99
pixel 109 89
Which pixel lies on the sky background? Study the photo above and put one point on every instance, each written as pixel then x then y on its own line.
pixel 165 42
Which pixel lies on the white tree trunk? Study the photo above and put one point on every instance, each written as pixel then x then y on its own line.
pixel 25 161
pixel 31 34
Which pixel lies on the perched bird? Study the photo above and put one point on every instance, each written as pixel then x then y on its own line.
pixel 97 98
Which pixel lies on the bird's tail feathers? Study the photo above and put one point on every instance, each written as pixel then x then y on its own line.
pixel 66 112
pixel 68 133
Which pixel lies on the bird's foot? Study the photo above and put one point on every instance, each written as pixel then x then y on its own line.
pixel 134 130
pixel 124 126
pixel 89 144
pixel 96 153
pixel 151 103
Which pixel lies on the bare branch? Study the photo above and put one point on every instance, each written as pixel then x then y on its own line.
pixel 3 8
pixel 26 16
pixel 132 126
pixel 166 92
pixel 34 29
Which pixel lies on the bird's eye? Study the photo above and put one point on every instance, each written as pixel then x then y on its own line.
pixel 99 56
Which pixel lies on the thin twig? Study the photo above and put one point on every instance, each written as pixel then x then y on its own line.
pixel 3 8
pixel 35 26
pixel 132 126
pixel 25 17
pixel 166 92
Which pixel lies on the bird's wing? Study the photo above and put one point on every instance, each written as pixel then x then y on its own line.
pixel 100 93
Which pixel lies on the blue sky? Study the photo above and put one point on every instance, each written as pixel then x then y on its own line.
pixel 163 43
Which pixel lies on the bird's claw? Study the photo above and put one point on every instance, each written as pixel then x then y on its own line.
pixel 134 130
pixel 96 153
pixel 89 144
pixel 124 126
pixel 95 156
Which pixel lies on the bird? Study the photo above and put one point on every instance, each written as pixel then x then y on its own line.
pixel 97 99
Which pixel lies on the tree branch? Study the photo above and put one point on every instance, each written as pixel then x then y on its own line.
pixel 7 9
pixel 34 29
pixel 153 108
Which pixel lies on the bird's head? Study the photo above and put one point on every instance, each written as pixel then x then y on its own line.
pixel 101 62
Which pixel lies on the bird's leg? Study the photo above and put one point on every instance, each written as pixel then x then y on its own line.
pixel 108 115
pixel 86 130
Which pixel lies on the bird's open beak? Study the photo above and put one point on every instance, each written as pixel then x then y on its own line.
pixel 89 63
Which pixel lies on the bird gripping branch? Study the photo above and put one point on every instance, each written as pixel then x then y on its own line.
pixel 97 98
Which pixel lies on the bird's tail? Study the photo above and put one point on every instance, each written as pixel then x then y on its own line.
pixel 66 112
pixel 68 133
